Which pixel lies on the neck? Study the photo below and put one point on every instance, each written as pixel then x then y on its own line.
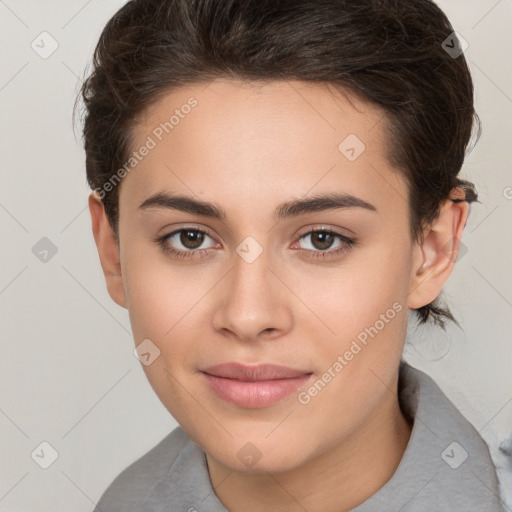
pixel 336 481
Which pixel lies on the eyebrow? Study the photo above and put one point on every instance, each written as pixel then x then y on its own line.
pixel 293 208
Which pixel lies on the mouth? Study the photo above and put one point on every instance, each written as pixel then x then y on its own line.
pixel 254 386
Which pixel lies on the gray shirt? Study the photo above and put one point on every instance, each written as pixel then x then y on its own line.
pixel 445 467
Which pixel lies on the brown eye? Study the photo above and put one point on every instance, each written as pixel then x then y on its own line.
pixel 191 238
pixel 322 243
pixel 186 242
pixel 322 240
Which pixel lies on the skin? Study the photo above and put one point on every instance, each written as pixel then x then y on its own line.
pixel 248 148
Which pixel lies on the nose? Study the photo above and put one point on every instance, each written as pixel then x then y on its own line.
pixel 253 302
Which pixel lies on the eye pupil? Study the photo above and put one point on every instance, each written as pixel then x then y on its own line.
pixel 191 239
pixel 323 238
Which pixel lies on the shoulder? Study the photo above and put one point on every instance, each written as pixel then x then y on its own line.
pixel 421 397
pixel 129 489
pixel 446 465
pixel 456 467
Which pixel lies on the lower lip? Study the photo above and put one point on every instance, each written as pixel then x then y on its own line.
pixel 254 394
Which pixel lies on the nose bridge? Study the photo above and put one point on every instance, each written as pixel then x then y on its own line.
pixel 252 302
pixel 250 275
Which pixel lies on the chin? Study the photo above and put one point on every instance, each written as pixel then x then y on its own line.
pixel 257 457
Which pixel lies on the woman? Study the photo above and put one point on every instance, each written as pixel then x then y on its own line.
pixel 275 189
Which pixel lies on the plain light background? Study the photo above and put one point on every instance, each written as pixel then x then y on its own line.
pixel 68 376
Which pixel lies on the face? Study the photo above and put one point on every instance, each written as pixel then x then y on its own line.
pixel 319 288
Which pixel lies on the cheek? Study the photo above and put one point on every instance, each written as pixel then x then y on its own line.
pixel 352 294
pixel 346 297
pixel 167 305
pixel 384 274
pixel 363 304
pixel 158 297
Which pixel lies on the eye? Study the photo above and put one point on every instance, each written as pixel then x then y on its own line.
pixel 322 240
pixel 184 242
pixel 187 242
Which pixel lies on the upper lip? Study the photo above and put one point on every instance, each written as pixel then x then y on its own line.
pixel 258 372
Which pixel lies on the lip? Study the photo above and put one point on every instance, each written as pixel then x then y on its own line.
pixel 254 386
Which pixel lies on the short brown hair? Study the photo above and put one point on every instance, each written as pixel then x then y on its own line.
pixel 392 52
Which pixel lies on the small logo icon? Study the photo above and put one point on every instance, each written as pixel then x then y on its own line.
pixel 146 352
pixel 249 455
pixel 249 249
pixel 448 250
pixel 352 147
pixel 44 250
pixel 455 45
pixel 454 455
pixel 44 455
pixel 45 45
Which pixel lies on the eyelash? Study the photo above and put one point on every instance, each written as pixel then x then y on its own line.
pixel 348 244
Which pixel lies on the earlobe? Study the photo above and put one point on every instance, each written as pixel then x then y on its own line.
pixel 108 250
pixel 436 255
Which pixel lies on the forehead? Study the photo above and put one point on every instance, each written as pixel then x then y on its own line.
pixel 235 109
pixel 247 140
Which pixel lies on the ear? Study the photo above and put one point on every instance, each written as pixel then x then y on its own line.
pixel 436 255
pixel 108 250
